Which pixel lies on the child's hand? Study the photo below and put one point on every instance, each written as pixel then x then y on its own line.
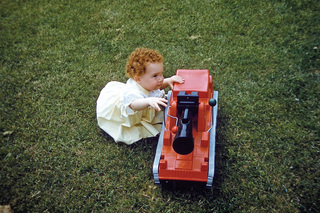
pixel 175 79
pixel 157 102
pixel 142 103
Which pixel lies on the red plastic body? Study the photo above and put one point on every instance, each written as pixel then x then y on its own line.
pixel 194 166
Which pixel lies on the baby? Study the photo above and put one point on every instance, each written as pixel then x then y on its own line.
pixel 132 111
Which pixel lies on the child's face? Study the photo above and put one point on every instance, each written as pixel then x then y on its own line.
pixel 153 78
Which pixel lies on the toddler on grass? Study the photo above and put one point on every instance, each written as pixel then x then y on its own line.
pixel 129 112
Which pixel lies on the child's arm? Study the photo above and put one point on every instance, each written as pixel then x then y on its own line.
pixel 142 103
pixel 170 81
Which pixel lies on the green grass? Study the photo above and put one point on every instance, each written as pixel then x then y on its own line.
pixel 56 56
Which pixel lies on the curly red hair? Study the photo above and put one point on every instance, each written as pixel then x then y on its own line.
pixel 139 59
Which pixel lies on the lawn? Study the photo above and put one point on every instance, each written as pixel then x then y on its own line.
pixel 57 55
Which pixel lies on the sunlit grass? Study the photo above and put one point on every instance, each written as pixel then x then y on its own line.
pixel 56 56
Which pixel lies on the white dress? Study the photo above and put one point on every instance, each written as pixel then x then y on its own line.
pixel 117 119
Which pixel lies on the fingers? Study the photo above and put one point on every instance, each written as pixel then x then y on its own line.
pixel 180 80
pixel 162 102
pixel 157 102
pixel 176 79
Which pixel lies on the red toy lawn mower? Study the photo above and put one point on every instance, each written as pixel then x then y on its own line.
pixel 186 146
